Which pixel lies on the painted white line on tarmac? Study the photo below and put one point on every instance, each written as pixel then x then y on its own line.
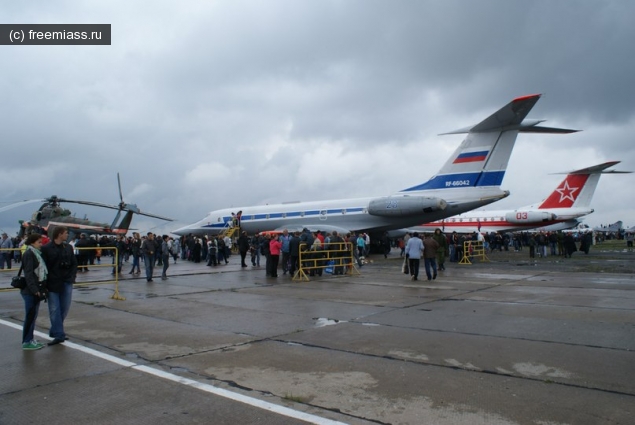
pixel 281 410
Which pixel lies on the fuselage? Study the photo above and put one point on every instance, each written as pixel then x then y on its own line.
pixel 508 220
pixel 343 214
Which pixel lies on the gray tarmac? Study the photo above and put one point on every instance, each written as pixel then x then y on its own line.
pixel 506 342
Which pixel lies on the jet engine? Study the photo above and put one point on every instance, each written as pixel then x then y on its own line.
pixel 401 206
pixel 521 217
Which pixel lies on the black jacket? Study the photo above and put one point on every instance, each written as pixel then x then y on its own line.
pixel 29 264
pixel 61 265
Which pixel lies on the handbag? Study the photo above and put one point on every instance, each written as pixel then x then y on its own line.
pixel 18 282
pixel 404 267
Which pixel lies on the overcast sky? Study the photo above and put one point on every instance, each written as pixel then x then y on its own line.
pixel 202 105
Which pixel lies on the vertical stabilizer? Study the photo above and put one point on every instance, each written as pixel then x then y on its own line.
pixel 578 187
pixel 482 157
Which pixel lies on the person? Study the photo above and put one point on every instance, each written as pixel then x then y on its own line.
pixel 165 252
pixel 284 239
pixel 314 256
pixel 569 246
pixel 212 248
pixel 275 246
pixel 254 247
pixel 414 249
pixel 385 244
pixel 430 256
pixel 35 273
pixel 361 246
pixel 175 249
pixel 243 247
pixel 82 247
pixel 61 265
pixel 443 250
pixel 135 246
pixel 148 248
pixel 118 254
pixel 338 251
pixel 6 256
pixel 531 242
pixel 294 253
pixel 265 250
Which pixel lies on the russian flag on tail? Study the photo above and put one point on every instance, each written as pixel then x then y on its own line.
pixel 477 156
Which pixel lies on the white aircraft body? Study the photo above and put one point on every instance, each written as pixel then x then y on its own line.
pixel 569 201
pixel 469 179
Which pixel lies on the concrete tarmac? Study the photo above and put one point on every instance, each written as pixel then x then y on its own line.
pixel 507 342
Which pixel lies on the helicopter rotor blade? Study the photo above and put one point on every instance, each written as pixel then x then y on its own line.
pixel 94 204
pixel 20 203
pixel 154 216
pixel 120 192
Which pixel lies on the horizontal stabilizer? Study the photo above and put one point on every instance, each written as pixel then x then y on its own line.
pixel 596 169
pixel 510 117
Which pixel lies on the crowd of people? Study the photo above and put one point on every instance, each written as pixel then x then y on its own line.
pixel 281 250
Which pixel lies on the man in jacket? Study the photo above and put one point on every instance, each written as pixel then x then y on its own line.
pixel 62 269
pixel 429 257
pixel 414 249
pixel 149 249
pixel 6 256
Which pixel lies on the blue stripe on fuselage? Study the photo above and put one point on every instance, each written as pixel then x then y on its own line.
pixel 286 214
pixel 447 181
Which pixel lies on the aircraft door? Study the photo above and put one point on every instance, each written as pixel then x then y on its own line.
pixel 323 214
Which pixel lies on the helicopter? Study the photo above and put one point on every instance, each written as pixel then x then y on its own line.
pixel 51 214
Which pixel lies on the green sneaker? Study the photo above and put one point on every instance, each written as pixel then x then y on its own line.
pixel 33 345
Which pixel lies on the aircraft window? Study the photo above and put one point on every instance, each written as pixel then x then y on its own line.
pixel 284 215
pixel 219 219
pixel 343 211
pixel 302 214
pixel 460 220
pixel 323 212
pixel 365 211
pixel 267 216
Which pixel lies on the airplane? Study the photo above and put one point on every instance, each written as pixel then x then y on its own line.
pixel 469 179
pixel 611 228
pixel 561 210
pixel 51 214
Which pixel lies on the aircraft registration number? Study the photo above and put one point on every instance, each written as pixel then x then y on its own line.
pixel 455 183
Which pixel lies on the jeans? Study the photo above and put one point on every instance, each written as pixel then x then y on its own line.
pixel 31 308
pixel 119 265
pixel 135 264
pixel 430 263
pixel 6 257
pixel 148 260
pixel 59 304
pixel 166 264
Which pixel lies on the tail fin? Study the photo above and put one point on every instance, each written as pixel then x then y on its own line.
pixel 482 157
pixel 577 189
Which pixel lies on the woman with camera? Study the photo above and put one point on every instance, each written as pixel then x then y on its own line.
pixel 35 273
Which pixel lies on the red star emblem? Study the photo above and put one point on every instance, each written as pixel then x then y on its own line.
pixel 567 192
